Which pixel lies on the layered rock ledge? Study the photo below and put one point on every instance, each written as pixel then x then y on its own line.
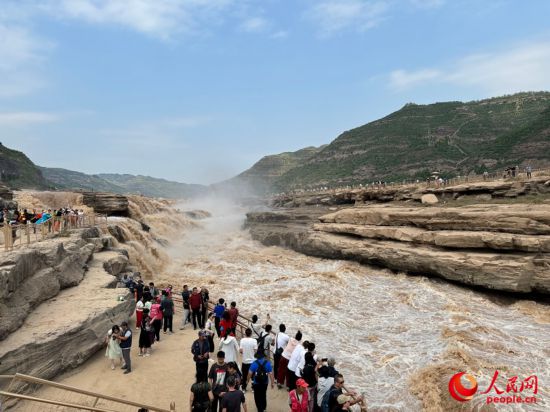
pixel 503 247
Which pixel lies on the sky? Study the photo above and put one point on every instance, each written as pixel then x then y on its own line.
pixel 198 90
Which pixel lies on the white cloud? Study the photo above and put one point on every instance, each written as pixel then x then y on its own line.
pixel 254 24
pixel 336 15
pixel 26 118
pixel 156 18
pixel 21 55
pixel 520 68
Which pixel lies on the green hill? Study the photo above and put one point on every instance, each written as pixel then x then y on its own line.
pixel 152 186
pixel 17 171
pixel 120 183
pixel 455 138
pixel 261 176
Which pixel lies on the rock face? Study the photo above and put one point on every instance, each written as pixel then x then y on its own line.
pixel 110 204
pixel 479 190
pixel 429 199
pixel 504 247
pixel 63 333
pixel 33 275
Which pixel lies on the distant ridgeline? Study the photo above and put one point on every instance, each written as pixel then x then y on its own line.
pixel 453 138
pixel 17 171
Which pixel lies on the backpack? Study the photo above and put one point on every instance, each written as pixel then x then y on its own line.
pixel 261 374
pixel 261 344
pixel 325 403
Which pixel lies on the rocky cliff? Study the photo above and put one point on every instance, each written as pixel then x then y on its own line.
pixel 503 247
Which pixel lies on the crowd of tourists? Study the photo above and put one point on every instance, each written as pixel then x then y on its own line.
pixel 226 365
pixel 56 219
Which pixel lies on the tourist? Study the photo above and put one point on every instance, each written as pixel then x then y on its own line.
pixel 330 399
pixel 139 290
pixel 200 350
pixel 139 312
pixel 217 380
pixel 293 363
pixel 185 294
pixel 195 302
pixel 210 328
pixel 309 374
pixel 113 351
pixel 234 315
pixel 257 329
pixel 233 398
pixel 285 357
pixel 125 339
pixel 298 398
pixel 167 308
pixel 205 298
pixel 268 340
pixel 326 373
pixel 233 370
pixel 146 334
pixel 147 297
pixel 230 346
pixel 225 325
pixel 156 316
pixel 260 374
pixel 219 309
pixel 154 291
pixel 529 171
pixel 201 395
pixel 248 347
pixel 281 340
pixel 310 349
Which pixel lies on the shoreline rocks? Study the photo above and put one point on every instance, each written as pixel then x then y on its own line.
pixel 502 247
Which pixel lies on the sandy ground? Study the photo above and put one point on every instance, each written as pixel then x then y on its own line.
pixel 165 376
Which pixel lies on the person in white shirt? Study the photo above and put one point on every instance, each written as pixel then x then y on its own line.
pixel 281 340
pixel 293 364
pixel 248 347
pixel 231 348
pixel 309 348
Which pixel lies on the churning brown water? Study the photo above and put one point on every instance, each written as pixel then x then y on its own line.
pixel 396 338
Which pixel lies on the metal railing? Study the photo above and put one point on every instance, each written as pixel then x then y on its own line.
pixel 457 180
pixel 72 397
pixel 21 234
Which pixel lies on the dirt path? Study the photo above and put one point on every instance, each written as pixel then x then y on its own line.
pixel 157 380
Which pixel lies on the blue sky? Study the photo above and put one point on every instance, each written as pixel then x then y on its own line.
pixel 198 90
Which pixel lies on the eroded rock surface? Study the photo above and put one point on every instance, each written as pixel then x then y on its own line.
pixel 110 204
pixel 504 247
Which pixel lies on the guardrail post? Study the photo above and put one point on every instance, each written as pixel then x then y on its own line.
pixel 28 233
pixel 172 406
pixel 6 229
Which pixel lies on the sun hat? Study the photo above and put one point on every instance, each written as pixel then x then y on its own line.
pixel 302 383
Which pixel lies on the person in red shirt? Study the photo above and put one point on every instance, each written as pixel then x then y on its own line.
pixel 226 326
pixel 195 302
pixel 234 315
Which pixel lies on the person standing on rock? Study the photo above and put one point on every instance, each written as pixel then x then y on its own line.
pixel 167 308
pixel 281 340
pixel 195 302
pixel 185 294
pixel 139 312
pixel 285 357
pixel 125 339
pixel 156 316
pixel 248 347
pixel 113 351
pixel 261 373
pixel 216 377
pixel 205 298
pixel 219 309
pixel 201 352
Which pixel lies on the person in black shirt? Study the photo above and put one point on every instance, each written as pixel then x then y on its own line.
pixel 233 398
pixel 201 395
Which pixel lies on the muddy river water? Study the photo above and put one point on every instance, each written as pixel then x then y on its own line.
pixel 396 338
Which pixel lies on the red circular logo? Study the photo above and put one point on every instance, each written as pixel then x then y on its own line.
pixel 458 390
